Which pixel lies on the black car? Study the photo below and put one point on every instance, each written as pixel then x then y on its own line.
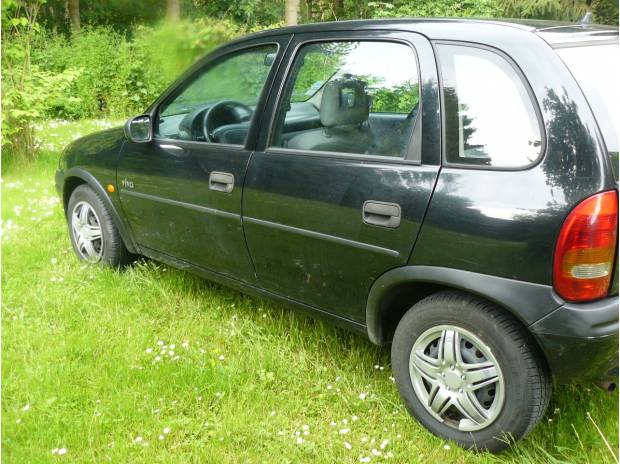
pixel 446 186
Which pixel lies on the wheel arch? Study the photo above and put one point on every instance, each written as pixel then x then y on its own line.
pixel 75 177
pixel 397 290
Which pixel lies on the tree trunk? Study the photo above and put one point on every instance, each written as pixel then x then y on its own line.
pixel 74 15
pixel 291 11
pixel 173 10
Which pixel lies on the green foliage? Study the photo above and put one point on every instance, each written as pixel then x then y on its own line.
pixel 41 94
pixel 119 77
pixel 95 52
pixel 397 99
pixel 122 15
pixel 29 93
pixel 605 11
pixel 251 13
pixel 563 10
pixel 440 8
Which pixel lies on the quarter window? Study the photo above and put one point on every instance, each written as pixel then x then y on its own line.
pixel 490 119
pixel 358 97
pixel 217 105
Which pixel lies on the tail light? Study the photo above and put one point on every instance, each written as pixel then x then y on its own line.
pixel 586 248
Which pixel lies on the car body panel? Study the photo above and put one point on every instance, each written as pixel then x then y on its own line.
pixel 580 341
pixel 92 160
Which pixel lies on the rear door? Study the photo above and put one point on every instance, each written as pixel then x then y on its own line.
pixel 347 161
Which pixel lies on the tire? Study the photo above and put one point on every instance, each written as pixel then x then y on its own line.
pixel 465 410
pixel 86 215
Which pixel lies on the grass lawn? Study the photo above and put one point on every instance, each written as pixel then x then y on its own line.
pixel 155 365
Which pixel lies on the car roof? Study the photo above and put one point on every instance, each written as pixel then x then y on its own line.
pixel 553 32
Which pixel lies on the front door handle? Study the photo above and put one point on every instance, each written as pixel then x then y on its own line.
pixel 221 181
pixel 380 213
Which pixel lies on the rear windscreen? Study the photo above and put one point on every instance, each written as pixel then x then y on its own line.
pixel 597 70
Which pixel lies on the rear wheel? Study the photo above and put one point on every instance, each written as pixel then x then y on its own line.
pixel 94 236
pixel 469 372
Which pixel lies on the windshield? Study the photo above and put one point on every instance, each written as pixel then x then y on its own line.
pixel 597 70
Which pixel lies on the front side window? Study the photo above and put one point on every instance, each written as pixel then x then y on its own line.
pixel 356 97
pixel 490 119
pixel 217 105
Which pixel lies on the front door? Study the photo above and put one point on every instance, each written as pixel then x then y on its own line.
pixel 181 192
pixel 336 193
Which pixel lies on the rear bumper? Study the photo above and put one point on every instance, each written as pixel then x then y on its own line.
pixel 580 341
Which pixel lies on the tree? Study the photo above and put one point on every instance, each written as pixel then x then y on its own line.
pixel 73 7
pixel 173 10
pixel 605 12
pixel 291 11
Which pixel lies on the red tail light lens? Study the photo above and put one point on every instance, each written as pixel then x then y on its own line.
pixel 586 248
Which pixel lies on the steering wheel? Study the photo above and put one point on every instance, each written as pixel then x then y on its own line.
pixel 208 120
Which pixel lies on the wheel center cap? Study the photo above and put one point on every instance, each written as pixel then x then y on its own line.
pixel 453 379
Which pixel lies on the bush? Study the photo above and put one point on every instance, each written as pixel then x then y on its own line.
pixel 605 11
pixel 95 53
pixel 118 76
pixel 440 8
pixel 29 93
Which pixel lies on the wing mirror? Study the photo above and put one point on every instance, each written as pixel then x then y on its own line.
pixel 139 129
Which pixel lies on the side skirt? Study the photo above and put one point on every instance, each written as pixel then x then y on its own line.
pixel 253 290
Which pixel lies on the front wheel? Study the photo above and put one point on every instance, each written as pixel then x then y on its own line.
pixel 469 372
pixel 94 236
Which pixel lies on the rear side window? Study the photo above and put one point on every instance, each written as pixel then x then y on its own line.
pixel 597 70
pixel 354 97
pixel 490 118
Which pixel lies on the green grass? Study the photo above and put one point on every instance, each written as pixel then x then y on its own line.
pixel 249 380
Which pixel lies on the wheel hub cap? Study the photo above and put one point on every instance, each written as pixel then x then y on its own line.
pixel 457 378
pixel 87 233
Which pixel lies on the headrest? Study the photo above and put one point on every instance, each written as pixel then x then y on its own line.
pixel 344 101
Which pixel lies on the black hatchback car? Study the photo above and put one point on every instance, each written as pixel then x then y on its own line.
pixel 448 186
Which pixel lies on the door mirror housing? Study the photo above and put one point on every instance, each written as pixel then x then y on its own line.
pixel 139 129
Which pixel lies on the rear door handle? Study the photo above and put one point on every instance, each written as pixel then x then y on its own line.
pixel 221 181
pixel 380 213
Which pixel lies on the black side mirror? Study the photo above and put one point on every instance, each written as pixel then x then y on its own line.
pixel 139 129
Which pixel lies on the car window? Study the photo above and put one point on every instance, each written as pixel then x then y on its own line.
pixel 597 70
pixel 490 119
pixel 217 104
pixel 359 97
